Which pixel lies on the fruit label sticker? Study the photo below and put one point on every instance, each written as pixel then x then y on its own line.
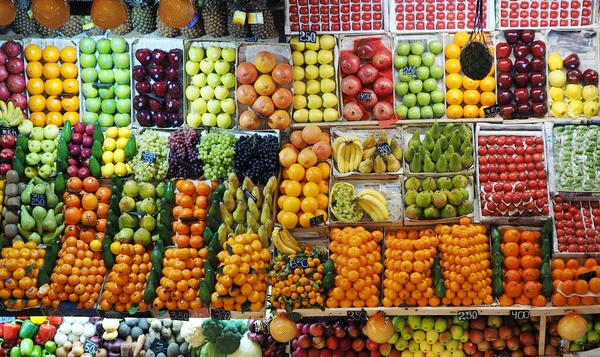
pixel 357 315
pixel 467 315
pixel 88 26
pixel 249 195
pixel 180 315
pixel 90 347
pixel 308 36
pixel 38 199
pixel 492 111
pixel 9 131
pixel 409 70
pixel 148 157
pixel 255 18
pixel 587 276
pixel 158 346
pixel 520 314
pixel 299 263
pixel 363 96
pixel 239 17
pixel 315 221
pixel 220 314
pixel 194 21
pixel 383 149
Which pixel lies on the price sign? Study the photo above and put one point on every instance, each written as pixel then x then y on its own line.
pixel 148 157
pixel 299 263
pixel 220 314
pixel 499 355
pixel 409 70
pixel 249 195
pixel 252 38
pixel 99 84
pixel 155 97
pixel 492 111
pixel 181 315
pixel 357 315
pixel 383 149
pixel 520 314
pixel 308 36
pixel 315 221
pixel 9 131
pixel 364 96
pixel 38 199
pixel 112 314
pixel 90 347
pixel 587 276
pixel 519 116
pixel 158 346
pixel 467 315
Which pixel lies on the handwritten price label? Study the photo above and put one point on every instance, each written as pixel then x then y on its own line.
pixel 364 96
pixel 148 157
pixel 180 315
pixel 383 149
pixel 220 314
pixel 158 346
pixel 409 70
pixel 252 38
pixel 315 221
pixel 249 195
pixel 520 314
pixel 467 315
pixel 90 347
pixel 38 199
pixel 492 111
pixel 587 276
pixel 299 263
pixel 308 36
pixel 357 315
pixel 9 131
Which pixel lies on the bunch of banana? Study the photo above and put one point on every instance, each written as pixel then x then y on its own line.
pixel 9 114
pixel 284 241
pixel 347 153
pixel 374 204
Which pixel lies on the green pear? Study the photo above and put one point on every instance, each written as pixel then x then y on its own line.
pixel 455 163
pixel 148 223
pixel 148 205
pixel 127 220
pixel 142 236
pixel 127 204
pixel 27 222
pixel 146 190
pixel 130 189
pixel 435 131
pixel 125 235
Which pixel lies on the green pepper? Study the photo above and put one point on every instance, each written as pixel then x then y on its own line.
pixel 50 346
pixel 26 346
pixel 28 329
pixel 15 352
pixel 37 351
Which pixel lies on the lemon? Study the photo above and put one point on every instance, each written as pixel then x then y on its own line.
pixel 120 169
pixel 108 170
pixel 112 132
pixel 109 144
pixel 107 157
pixel 96 245
pixel 121 142
pixel 124 133
pixel 119 156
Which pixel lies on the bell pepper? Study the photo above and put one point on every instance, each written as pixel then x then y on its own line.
pixel 46 332
pixel 55 320
pixel 26 347
pixel 1 331
pixel 36 352
pixel 28 329
pixel 38 320
pixel 10 330
pixel 15 352
pixel 3 352
pixel 50 347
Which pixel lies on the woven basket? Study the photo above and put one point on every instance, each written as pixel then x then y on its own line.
pixel 475 58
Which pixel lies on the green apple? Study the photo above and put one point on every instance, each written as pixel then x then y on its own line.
pixel 199 80
pixel 106 120
pixel 25 127
pixel 122 76
pixel 417 48
pixel 414 60
pixel 405 77
pixel 437 96
pixel 107 92
pixel 301 116
pixel 423 98
pixel 213 79
pixel 401 88
pixel 429 84
pixel 224 121
pixel 214 106
pixel 194 120
pixel 400 61
pixel 103 45
pixel 209 119
pixel 192 92
pixel 87 60
pixel 93 105
pixel 199 105
pixel 51 132
pixel 422 73
pixel 330 100
pixel 426 112
pixel 105 61
pixel 222 66
pixel 435 46
pixel 207 66
pixel 213 53
pixel 122 91
pixel 124 105
pixel 121 60
pixel 196 54
pixel 401 111
pixel 89 75
pixel 228 54
pixel 34 146
pixel 414 113
pixel 403 48
pixel 436 71
pixel 122 120
pixel 109 106
pixel 410 100
pixel 221 92
pixel 327 85
pixel 326 71
pixel 89 118
pixel 47 158
pixel 315 115
pixel 207 93
pixel 106 76
pixel 439 109
pixel 428 58
pixel 330 114
pixel 87 45
pixel 228 80
pixel 118 45
pixel 415 86
pixel 192 67
pixel 228 106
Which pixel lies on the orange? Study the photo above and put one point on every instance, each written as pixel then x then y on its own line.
pixel 488 99
pixel 595 285
pixel 291 204
pixel 53 103
pixel 35 86
pixel 581 287
pixel 38 119
pixel 72 117
pixel 488 84
pixel 454 112
pixel 68 55
pixel 54 118
pixel 89 201
pixel 70 86
pixel 471 96
pixel 68 71
pixel 325 169
pixel 453 65
pixel 454 96
pixel 288 219
pixel 51 54
pixel 453 80
pixel 469 83
pixel 32 53
pixel 322 201
pixel 452 51
pixel 293 188
pixel 34 70
pixel 70 103
pixel 461 38
pixel 54 86
pixel 37 103
pixel 51 70
pixel 309 204
pixel 470 111
pixel 305 219
pixel 296 172
pixel 314 174
pixel 324 187
pixel 311 189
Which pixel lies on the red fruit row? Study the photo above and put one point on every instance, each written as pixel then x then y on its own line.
pixel 335 15
pixel 418 15
pixel 577 225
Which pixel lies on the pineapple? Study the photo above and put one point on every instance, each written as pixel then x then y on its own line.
pixel 143 15
pixel 267 28
pixel 126 27
pixel 46 31
pixel 214 16
pixel 73 27
pixel 23 24
pixel 236 30
pixel 195 31
pixel 95 30
pixel 165 30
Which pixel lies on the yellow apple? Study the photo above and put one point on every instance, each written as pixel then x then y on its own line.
pixel 325 57
pixel 299 87
pixel 313 87
pixel 327 42
pixel 330 100
pixel 330 115
pixel 299 102
pixel 326 71
pixel 315 115
pixel 311 71
pixel 301 116
pixel 310 57
pixel 297 58
pixel 314 101
pixel 296 45
pixel 327 85
pixel 313 46
pixel 298 73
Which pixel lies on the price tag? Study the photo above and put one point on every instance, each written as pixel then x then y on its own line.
pixel 364 96
pixel 155 97
pixel 90 347
pixel 249 195
pixel 299 263
pixel 308 36
pixel 519 116
pixel 220 314
pixel 38 199
pixel 158 346
pixel 99 84
pixel 9 131
pixel 587 276
pixel 409 70
pixel 252 38
pixel 492 111
pixel 112 314
pixel 148 157
pixel 315 221
pixel 498 355
pixel 357 315
pixel 383 149
pixel 467 315
pixel 181 315
pixel 520 314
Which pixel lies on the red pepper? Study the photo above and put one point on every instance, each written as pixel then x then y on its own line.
pixel 1 331
pixel 3 352
pixel 11 330
pixel 55 320
pixel 45 333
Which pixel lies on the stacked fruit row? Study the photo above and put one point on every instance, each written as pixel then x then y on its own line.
pixel 574 171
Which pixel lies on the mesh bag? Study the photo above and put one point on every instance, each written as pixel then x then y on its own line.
pixel 476 58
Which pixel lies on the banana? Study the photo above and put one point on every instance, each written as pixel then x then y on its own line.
pixel 348 150
pixel 357 158
pixel 3 110
pixel 10 108
pixel 339 158
pixel 374 193
pixel 336 144
pixel 276 238
pixel 373 207
pixel 17 118
pixel 288 239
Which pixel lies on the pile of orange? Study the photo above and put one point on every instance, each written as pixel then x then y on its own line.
pixel 126 283
pixel 465 261
pixel 408 260
pixel 466 98
pixel 356 254
pixel 52 84
pixel 569 289
pixel 243 279
pixel 80 270
pixel 19 268
pixel 522 261
pixel 189 214
pixel 182 270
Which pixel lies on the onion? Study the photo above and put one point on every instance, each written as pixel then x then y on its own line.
pixel 572 326
pixel 379 329
pixel 283 329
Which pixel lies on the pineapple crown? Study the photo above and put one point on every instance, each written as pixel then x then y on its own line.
pixel 141 3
